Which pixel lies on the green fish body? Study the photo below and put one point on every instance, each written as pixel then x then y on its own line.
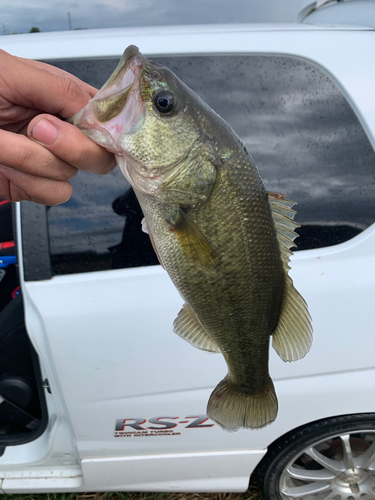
pixel 222 238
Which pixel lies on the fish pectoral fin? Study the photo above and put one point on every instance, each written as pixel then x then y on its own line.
pixel 188 328
pixel 292 336
pixel 194 242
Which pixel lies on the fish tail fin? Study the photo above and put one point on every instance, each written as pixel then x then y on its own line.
pixel 232 408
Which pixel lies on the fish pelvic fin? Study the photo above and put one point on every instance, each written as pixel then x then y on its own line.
pixel 233 409
pixel 292 336
pixel 187 326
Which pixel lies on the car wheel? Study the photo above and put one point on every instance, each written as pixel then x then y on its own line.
pixel 331 459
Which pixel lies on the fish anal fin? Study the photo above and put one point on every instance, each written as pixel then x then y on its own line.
pixel 194 242
pixel 188 327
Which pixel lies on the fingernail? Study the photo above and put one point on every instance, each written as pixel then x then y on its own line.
pixel 44 132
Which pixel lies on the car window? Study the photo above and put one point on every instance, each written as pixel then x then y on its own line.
pixel 302 133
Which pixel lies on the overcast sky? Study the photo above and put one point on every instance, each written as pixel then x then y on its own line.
pixel 18 16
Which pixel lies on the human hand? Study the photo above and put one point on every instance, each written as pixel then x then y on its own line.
pixel 39 153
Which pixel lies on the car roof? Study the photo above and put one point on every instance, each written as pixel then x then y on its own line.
pixel 112 41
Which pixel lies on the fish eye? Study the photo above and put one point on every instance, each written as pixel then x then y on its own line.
pixel 164 101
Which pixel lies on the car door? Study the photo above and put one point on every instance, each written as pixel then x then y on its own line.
pixel 99 309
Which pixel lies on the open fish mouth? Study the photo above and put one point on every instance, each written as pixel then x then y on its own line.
pixel 118 107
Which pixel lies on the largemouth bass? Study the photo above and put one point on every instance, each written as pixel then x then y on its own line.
pixel 224 241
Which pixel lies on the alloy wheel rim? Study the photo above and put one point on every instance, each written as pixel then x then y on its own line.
pixel 339 467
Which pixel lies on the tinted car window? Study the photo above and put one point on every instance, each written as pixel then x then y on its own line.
pixel 302 133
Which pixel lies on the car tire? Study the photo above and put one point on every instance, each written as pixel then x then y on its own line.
pixel 329 459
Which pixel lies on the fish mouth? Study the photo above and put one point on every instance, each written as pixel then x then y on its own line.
pixel 118 107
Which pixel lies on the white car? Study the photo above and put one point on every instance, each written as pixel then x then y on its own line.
pixel 90 368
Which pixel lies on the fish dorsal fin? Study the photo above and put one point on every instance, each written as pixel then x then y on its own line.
pixel 283 216
pixel 188 327
pixel 292 336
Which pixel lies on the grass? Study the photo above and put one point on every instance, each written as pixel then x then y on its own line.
pixel 251 494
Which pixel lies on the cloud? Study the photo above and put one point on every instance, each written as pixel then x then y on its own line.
pixel 21 15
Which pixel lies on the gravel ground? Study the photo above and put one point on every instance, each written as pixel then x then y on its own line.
pixel 251 494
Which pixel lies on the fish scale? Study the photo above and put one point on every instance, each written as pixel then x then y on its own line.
pixel 224 241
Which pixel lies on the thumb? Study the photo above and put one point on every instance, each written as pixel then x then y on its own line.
pixel 31 86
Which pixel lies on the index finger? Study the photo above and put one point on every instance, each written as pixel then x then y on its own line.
pixel 60 72
pixel 28 85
